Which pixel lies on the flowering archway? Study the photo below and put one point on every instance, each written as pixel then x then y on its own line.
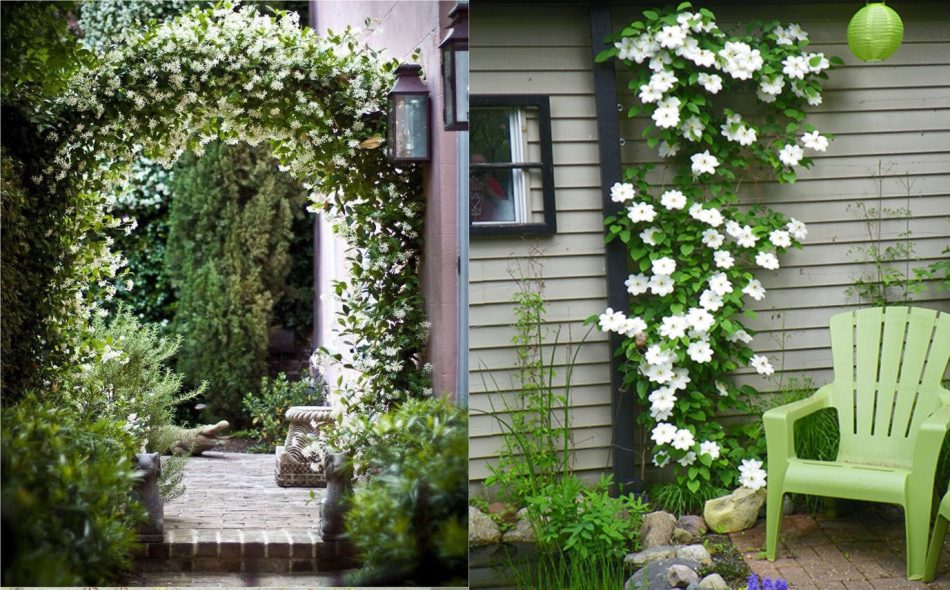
pixel 230 74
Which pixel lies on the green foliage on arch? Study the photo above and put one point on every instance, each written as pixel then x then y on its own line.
pixel 232 75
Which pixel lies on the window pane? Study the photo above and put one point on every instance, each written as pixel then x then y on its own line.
pixel 492 194
pixel 489 136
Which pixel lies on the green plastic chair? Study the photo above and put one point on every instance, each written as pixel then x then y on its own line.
pixel 892 413
pixel 936 543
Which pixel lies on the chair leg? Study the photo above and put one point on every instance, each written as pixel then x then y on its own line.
pixel 773 517
pixel 917 525
pixel 936 546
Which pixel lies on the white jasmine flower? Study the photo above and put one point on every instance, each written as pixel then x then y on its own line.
pixel 668 151
pixel 712 216
pixel 767 260
pixel 791 154
pixel 680 378
pixel 797 229
pixel 649 94
pixel 692 129
pixel 633 326
pixel 661 285
pixel 683 439
pixel 663 81
pixel 709 300
pixel 621 192
pixel 761 365
pixel 671 37
pixel 700 319
pixel 655 355
pixel 687 459
pixel 636 284
pixel 700 351
pixel 661 459
pixel 664 394
pixel 673 199
pixel 663 266
pixel 704 163
pixel 673 327
pixel 746 238
pixel 739 335
pixel 795 66
pixel 711 82
pixel 719 283
pixel 710 448
pixel 641 212
pixel 817 62
pixel 722 389
pixel 752 475
pixel 611 320
pixel 723 259
pixel 815 141
pixel 666 117
pixel 647 235
pixel 754 290
pixel 780 239
pixel 712 238
pixel 661 410
pixel 658 373
pixel 773 85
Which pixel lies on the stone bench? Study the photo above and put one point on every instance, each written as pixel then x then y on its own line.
pixel 293 463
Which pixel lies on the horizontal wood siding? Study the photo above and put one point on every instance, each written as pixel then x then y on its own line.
pixel 518 49
pixel 891 150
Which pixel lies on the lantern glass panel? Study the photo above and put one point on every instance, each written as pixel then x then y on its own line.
pixel 448 85
pixel 461 83
pixel 411 119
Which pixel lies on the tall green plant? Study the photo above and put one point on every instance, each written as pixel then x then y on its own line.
pixel 228 251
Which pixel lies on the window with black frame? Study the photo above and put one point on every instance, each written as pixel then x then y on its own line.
pixel 511 168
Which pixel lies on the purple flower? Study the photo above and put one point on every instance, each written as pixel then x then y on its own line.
pixel 754 582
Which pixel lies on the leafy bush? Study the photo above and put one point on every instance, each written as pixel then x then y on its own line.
pixel 409 518
pixel 228 252
pixel 586 523
pixel 66 481
pixel 276 396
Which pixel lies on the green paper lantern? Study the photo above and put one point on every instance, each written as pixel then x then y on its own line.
pixel 875 32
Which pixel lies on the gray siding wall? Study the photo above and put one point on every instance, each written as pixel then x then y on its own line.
pixel 891 150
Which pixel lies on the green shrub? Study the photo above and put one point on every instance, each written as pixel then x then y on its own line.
pixel 409 518
pixel 65 486
pixel 228 253
pixel 680 500
pixel 585 522
pixel 276 396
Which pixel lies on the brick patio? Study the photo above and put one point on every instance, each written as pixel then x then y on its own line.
pixel 858 552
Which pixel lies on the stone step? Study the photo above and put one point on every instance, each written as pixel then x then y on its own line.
pixel 236 551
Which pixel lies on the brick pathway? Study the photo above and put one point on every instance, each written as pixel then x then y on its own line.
pixel 234 518
pixel 864 552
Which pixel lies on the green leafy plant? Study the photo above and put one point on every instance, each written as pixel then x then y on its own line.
pixel 409 517
pixel 887 283
pixel 677 499
pixel 275 397
pixel 66 484
pixel 692 244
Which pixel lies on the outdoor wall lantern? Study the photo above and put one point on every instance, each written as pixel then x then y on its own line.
pixel 875 32
pixel 455 70
pixel 408 135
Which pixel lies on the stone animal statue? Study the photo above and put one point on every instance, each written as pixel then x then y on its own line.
pixel 194 441
pixel 339 474
pixel 147 492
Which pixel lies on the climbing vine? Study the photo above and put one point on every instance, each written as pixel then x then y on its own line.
pixel 228 73
pixel 691 246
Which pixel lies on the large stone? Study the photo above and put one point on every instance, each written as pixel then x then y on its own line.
pixel 735 512
pixel 504 511
pixel 696 553
pixel 654 575
pixel 713 582
pixel 635 561
pixel 681 576
pixel 657 529
pixel 521 533
pixel 482 530
pixel 691 524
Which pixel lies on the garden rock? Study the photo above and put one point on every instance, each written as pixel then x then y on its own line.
pixel 696 553
pixel 681 576
pixel 637 560
pixel 654 575
pixel 506 512
pixel 522 533
pixel 194 441
pixel 736 512
pixel 482 530
pixel 657 529
pixel 689 528
pixel 713 582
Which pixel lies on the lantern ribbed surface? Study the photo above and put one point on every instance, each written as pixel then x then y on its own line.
pixel 875 32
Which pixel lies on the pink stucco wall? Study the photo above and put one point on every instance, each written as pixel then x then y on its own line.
pixel 399 28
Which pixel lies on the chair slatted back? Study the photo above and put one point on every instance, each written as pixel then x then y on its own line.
pixel 888 365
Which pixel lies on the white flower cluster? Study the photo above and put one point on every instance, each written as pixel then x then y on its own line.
pixel 659 45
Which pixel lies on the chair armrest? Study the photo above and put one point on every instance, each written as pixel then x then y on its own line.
pixel 929 442
pixel 780 422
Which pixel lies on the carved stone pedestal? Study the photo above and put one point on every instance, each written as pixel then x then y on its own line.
pixel 293 464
